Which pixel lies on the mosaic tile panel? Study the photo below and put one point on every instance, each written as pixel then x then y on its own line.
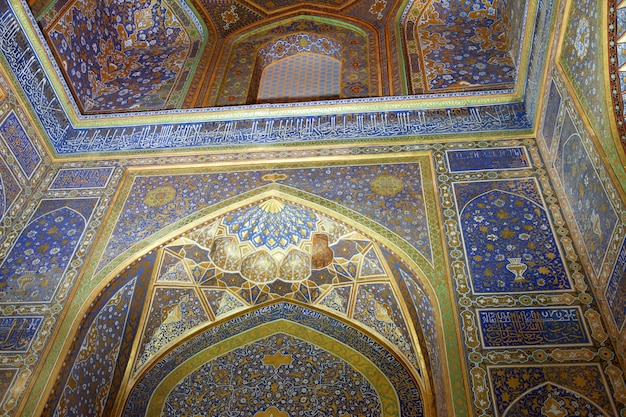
pixel 10 188
pixel 70 179
pixel 389 194
pixel 487 159
pixel 37 261
pixel 136 62
pixel 578 390
pixel 87 388
pixel 502 328
pixel 508 238
pixel 615 292
pixel 272 372
pixel 20 144
pixel 590 204
pixel 17 333
pixel 283 317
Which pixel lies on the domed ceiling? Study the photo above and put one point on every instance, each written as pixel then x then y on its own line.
pixel 150 55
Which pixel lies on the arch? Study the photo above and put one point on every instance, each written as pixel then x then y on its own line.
pixel 191 231
pixel 243 68
pixel 387 392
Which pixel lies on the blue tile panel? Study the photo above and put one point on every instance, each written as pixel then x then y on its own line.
pixel 615 292
pixel 508 238
pixel 487 159
pixel 37 261
pixel 69 179
pixel 20 144
pixel 502 328
pixel 587 197
pixel 17 333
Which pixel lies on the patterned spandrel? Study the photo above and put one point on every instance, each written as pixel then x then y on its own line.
pixel 391 195
pixel 279 371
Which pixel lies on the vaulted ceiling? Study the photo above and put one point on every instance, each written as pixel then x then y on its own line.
pixel 123 56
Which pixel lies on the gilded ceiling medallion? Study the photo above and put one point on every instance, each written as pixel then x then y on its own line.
pixel 160 196
pixel 387 185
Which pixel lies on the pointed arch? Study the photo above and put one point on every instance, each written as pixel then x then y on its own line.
pixel 184 230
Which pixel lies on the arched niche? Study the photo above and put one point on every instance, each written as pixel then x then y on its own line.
pixel 302 66
pixel 242 67
pixel 387 302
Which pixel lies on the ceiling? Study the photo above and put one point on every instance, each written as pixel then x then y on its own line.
pixel 154 55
